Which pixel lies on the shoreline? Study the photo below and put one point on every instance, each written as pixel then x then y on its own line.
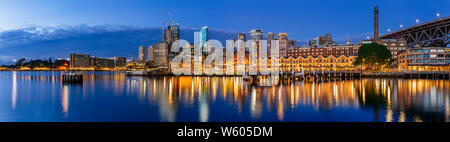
pixel 364 74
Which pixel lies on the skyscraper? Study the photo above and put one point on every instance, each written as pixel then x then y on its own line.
pixel 203 39
pixel 151 56
pixel 270 37
pixel 283 43
pixel 160 52
pixel 241 36
pixel 170 35
pixel 141 54
pixel 256 34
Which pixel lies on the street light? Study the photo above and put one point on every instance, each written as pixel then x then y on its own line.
pixel 389 30
pixel 401 26
pixel 437 15
pixel 417 21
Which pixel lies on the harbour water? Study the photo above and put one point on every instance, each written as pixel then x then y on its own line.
pixel 114 97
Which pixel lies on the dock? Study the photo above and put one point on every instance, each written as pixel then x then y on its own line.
pixel 72 77
pixel 409 75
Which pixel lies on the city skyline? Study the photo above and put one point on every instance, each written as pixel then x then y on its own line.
pixel 301 16
pixel 59 33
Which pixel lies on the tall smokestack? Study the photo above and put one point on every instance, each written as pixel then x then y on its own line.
pixel 375 32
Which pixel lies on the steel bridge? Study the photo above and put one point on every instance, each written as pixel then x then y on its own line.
pixel 426 34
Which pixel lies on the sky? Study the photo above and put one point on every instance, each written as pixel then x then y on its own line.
pixel 301 19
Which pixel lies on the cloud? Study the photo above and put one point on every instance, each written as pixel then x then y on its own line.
pixel 41 42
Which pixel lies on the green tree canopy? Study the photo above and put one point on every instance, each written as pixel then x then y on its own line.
pixel 373 56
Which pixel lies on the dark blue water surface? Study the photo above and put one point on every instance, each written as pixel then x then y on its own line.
pixel 113 96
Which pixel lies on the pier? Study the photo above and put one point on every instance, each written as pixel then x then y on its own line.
pixel 72 78
pixel 409 74
pixel 346 75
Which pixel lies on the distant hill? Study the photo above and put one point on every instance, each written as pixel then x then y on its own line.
pixel 38 42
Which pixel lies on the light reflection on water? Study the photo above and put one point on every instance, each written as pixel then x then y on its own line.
pixel 110 96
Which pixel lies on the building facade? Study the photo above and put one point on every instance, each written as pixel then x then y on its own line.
pixel 103 62
pixel 120 61
pixel 256 34
pixel 270 38
pixel 204 37
pixel 393 45
pixel 151 56
pixel 84 61
pixel 424 59
pixel 141 57
pixel 326 40
pixel 332 50
pixel 283 43
pixel 161 54
pixel 170 35
pixel 318 63
pixel 80 60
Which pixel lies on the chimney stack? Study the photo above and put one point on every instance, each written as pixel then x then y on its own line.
pixel 375 32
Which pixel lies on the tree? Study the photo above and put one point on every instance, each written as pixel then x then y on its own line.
pixel 373 56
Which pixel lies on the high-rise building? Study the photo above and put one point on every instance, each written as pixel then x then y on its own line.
pixel 204 38
pixel 283 43
pixel 170 35
pixel 151 56
pixel 142 54
pixel 270 37
pixel 80 60
pixel 256 34
pixel 241 37
pixel 326 40
pixel 160 53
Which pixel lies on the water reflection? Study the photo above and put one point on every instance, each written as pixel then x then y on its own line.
pixel 14 90
pixel 205 99
pixel 65 100
pixel 390 100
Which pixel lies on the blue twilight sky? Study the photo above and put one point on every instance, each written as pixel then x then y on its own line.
pixel 301 19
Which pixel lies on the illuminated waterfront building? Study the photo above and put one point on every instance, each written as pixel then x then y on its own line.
pixel 85 62
pixel 425 59
pixel 326 63
pixel 80 60
pixel 120 61
pixel 151 56
pixel 3 68
pixel 160 52
pixel 270 37
pixel 394 46
pixel 103 62
pixel 141 54
pixel 285 44
pixel 331 50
